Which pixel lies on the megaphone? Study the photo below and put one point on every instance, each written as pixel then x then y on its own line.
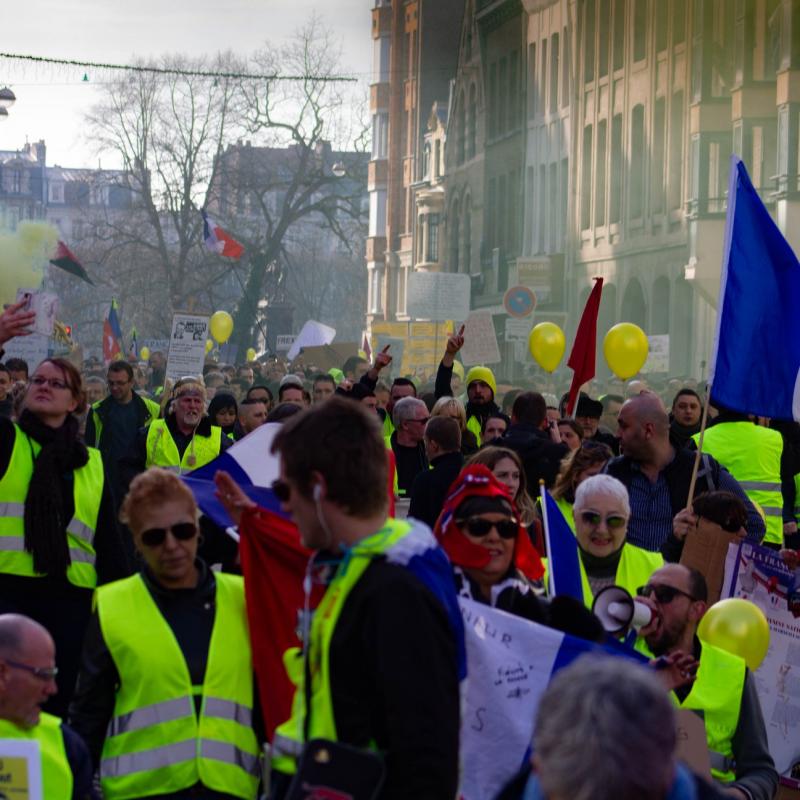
pixel 618 611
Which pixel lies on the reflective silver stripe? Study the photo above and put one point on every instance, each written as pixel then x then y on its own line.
pixel 146 760
pixel 230 754
pixel 722 763
pixel 153 714
pixel 284 746
pixel 16 544
pixel 759 486
pixel 81 530
pixel 12 510
pixel 227 709
pixel 769 511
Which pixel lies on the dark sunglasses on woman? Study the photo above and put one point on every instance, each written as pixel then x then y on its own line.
pixel 182 531
pixel 477 526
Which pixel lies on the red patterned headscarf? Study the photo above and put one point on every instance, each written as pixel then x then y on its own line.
pixel 477 480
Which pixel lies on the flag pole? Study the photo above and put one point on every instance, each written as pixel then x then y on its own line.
pixel 699 453
pixel 550 565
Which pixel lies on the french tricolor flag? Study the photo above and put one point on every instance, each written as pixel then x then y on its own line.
pixel 218 240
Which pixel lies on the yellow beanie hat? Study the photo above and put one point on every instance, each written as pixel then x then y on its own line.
pixel 482 374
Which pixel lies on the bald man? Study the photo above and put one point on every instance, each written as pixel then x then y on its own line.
pixel 657 475
pixel 27 680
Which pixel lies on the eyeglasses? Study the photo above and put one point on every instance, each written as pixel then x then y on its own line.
pixel 182 531
pixel 282 490
pixel 614 522
pixel 53 383
pixel 112 384
pixel 478 527
pixel 42 673
pixel 663 594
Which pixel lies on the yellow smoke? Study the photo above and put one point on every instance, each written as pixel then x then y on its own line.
pixel 23 257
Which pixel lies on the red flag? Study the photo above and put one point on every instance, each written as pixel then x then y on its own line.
pixel 366 348
pixel 111 345
pixel 581 359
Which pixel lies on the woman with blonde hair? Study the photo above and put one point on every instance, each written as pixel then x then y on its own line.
pixel 454 408
pixel 589 459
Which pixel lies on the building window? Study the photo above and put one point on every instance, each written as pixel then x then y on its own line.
pixel 619 34
pixel 640 30
pixel 542 195
pixel 553 237
pixel 586 179
pixel 461 134
pixel 433 238
pixel 533 86
pixel 501 235
pixel 473 121
pixel 636 183
pixel 659 134
pixel 514 207
pixel 543 78
pixel 513 91
pixel 600 175
pixel 467 259
pixel 491 213
pixel 675 182
pixel 455 242
pixel 678 21
pixel 554 73
pixel 563 198
pixel 492 99
pixel 615 195
pixel 589 36
pixel 502 90
pixel 662 10
pixel 602 45
pixel 565 65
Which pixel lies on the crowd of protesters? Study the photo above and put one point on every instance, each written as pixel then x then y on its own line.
pixel 129 658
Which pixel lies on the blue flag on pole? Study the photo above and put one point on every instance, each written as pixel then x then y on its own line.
pixel 563 567
pixel 755 366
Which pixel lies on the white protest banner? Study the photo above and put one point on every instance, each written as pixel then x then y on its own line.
pixel 312 334
pixel 480 340
pixel 518 330
pixel 438 296
pixel 32 349
pixel 20 769
pixel 658 354
pixel 283 342
pixel 759 574
pixel 187 346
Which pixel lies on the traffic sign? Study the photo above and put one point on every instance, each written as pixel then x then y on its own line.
pixel 519 301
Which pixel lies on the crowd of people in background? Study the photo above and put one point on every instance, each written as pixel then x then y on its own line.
pixel 100 540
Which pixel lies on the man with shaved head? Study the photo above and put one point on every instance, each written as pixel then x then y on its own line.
pixel 27 680
pixel 657 474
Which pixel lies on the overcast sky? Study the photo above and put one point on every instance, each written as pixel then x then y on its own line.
pixel 51 101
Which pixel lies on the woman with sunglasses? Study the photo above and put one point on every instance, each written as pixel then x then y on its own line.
pixel 58 535
pixel 165 695
pixel 589 459
pixel 601 514
pixel 493 559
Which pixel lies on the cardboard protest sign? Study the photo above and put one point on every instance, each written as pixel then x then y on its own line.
pixel 705 550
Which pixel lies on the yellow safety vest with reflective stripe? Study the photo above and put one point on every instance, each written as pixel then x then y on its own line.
pixel 752 454
pixel 56 773
pixel 564 506
pixel 87 491
pixel 289 738
pixel 388 428
pixel 474 425
pixel 163 452
pixel 634 570
pixel 156 743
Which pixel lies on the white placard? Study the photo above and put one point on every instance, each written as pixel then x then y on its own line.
pixel 438 296
pixel 284 343
pixel 658 355
pixel 312 334
pixel 759 575
pixel 32 349
pixel 20 769
pixel 44 305
pixel 187 346
pixel 518 330
pixel 480 340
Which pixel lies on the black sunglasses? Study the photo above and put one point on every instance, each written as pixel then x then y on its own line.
pixel 663 594
pixel 282 490
pixel 478 526
pixel 613 521
pixel 182 531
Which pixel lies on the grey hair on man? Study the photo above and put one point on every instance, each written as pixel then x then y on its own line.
pixel 404 410
pixel 605 730
pixel 603 486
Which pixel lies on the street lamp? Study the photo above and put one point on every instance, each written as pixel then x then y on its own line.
pixel 339 169
pixel 7 99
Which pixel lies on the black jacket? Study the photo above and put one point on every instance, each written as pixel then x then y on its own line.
pixel 429 490
pixel 442 388
pixel 541 457
pixel 90 437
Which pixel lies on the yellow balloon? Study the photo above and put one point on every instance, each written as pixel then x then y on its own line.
pixel 738 626
pixel 221 326
pixel 625 348
pixel 251 354
pixel 144 354
pixel 547 343
pixel 209 345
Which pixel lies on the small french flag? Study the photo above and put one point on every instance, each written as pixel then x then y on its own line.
pixel 218 240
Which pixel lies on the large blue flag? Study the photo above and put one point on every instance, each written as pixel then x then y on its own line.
pixel 563 567
pixel 755 366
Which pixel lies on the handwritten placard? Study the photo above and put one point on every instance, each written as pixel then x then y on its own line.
pixel 480 340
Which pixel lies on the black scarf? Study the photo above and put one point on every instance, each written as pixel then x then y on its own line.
pixel 45 527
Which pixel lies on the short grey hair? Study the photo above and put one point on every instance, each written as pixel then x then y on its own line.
pixel 404 410
pixel 12 634
pixel 605 486
pixel 605 730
